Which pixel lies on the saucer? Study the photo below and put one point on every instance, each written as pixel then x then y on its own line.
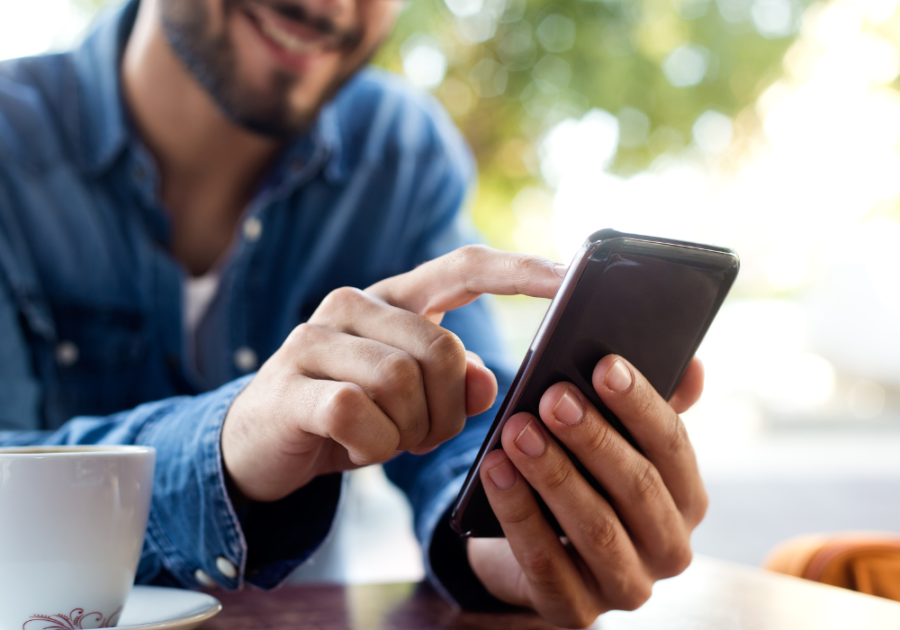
pixel 159 608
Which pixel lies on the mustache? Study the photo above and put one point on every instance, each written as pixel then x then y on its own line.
pixel 301 14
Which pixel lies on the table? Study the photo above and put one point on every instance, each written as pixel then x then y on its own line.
pixel 710 595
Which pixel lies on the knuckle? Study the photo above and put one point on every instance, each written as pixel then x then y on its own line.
pixel 648 484
pixel 517 512
pixel 469 253
pixel 543 571
pixel 695 506
pixel 342 299
pixel 346 404
pixel 448 354
pixel 601 440
pixel 635 595
pixel 645 401
pixel 398 374
pixel 557 475
pixel 601 534
pixel 702 505
pixel 678 559
pixel 302 336
pixel 347 408
pixel 678 438
pixel 520 264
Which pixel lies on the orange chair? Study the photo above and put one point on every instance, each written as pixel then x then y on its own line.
pixel 868 563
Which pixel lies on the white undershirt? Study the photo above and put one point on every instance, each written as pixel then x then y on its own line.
pixel 198 295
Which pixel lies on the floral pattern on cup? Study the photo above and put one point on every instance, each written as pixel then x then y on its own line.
pixel 72 621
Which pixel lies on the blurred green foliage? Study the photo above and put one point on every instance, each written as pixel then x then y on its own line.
pixel 515 68
pixel 90 6
pixel 540 61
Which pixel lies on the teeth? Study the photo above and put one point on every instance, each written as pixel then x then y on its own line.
pixel 284 39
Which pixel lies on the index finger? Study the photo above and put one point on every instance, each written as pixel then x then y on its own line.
pixel 460 277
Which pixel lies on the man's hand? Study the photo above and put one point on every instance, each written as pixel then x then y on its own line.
pixel 372 373
pixel 615 549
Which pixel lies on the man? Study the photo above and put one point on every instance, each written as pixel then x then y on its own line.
pixel 188 197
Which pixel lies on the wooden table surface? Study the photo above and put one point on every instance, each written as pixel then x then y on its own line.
pixel 710 595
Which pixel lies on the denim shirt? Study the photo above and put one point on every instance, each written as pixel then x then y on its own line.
pixel 92 347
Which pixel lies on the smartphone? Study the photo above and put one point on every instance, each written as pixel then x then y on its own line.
pixel 650 300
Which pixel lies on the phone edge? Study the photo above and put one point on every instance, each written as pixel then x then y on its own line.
pixel 535 351
pixel 541 338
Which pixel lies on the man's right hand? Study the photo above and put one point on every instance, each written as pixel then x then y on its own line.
pixel 371 374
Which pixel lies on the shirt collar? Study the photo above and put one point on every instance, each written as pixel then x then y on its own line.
pixel 103 128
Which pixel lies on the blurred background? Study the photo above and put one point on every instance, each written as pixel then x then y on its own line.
pixel 768 126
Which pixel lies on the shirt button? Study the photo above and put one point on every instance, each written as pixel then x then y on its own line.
pixel 245 359
pixel 66 353
pixel 252 229
pixel 226 567
pixel 203 579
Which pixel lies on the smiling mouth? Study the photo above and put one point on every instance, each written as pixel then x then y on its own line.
pixel 289 33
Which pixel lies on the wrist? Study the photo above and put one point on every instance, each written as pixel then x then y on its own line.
pixel 237 498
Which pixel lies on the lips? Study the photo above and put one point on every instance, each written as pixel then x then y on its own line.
pixel 294 42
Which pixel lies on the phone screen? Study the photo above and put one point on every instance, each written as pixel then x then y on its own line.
pixel 648 300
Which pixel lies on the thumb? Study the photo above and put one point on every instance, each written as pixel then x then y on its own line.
pixel 481 386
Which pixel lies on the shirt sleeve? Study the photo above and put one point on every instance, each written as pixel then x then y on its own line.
pixel 193 530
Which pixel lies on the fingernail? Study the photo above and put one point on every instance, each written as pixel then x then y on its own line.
pixel 569 409
pixel 560 270
pixel 503 476
pixel 531 441
pixel 618 377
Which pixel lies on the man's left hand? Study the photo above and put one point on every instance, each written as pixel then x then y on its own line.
pixel 616 548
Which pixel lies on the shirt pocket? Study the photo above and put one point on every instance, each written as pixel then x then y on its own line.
pixel 99 356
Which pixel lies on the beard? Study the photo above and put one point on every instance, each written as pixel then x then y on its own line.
pixel 212 61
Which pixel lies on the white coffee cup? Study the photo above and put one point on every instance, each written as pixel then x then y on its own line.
pixel 72 524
